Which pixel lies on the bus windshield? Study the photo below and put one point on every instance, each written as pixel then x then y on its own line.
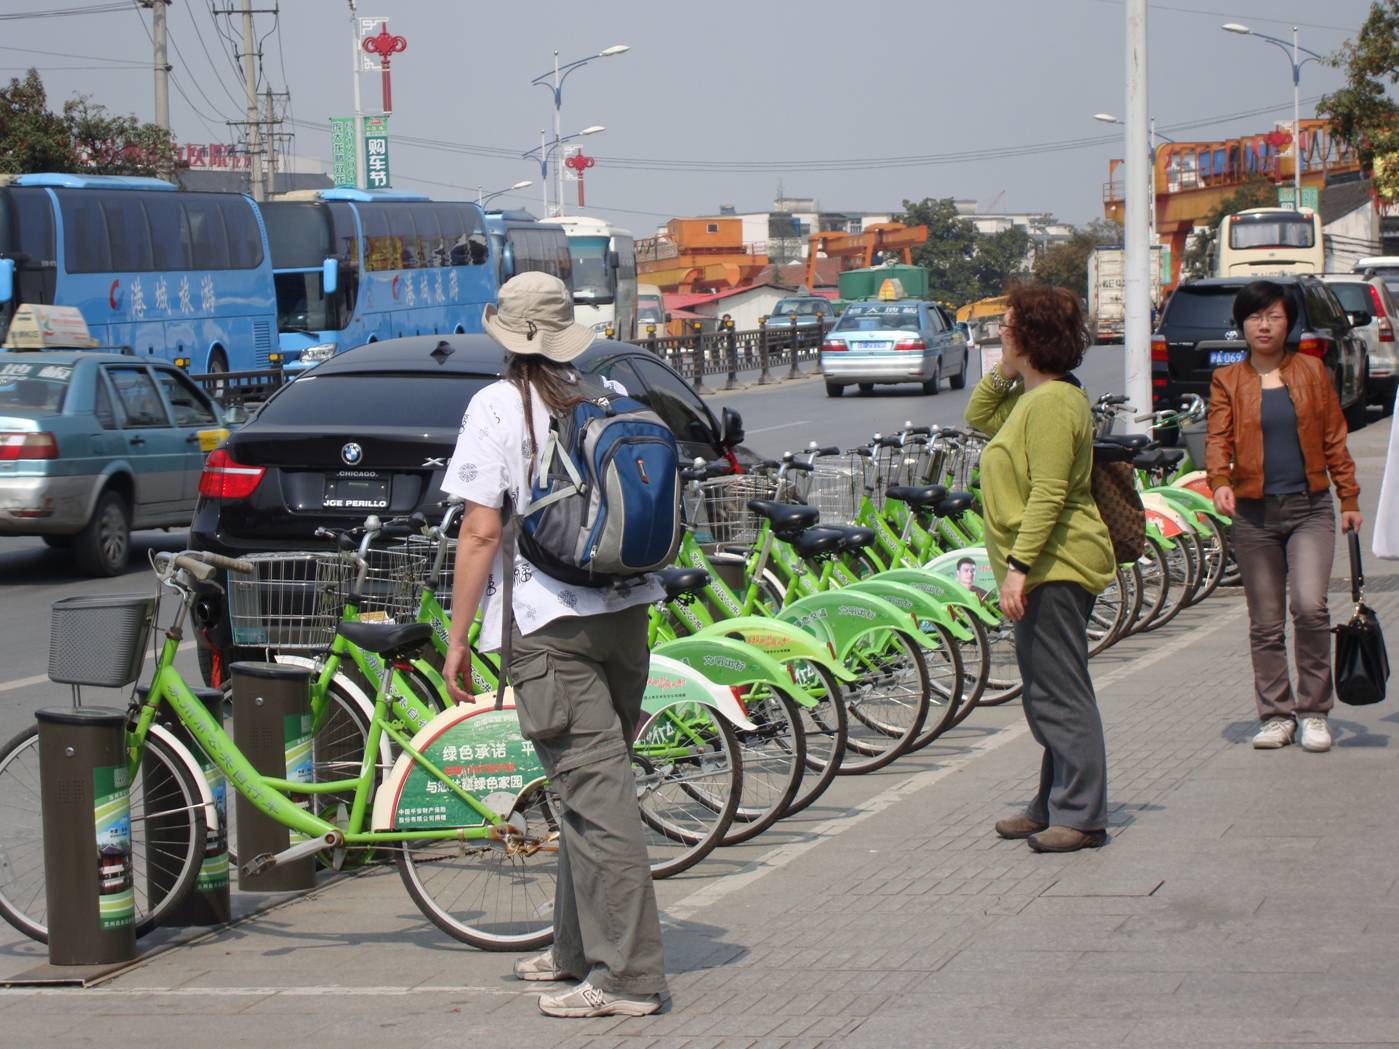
pixel 593 280
pixel 300 239
pixel 1274 229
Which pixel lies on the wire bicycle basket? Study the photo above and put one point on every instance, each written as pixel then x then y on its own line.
pixel 291 601
pixel 427 548
pixel 837 484
pixel 393 583
pixel 716 509
pixel 99 640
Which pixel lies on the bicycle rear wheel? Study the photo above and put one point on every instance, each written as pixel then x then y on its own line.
pixel 168 835
pixel 1109 614
pixel 494 895
pixel 826 727
pixel 1004 683
pixel 946 682
pixel 888 701
pixel 774 758
pixel 688 784
pixel 976 663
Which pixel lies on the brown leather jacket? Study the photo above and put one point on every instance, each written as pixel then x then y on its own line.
pixel 1234 445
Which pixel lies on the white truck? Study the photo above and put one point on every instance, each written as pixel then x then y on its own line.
pixel 1105 290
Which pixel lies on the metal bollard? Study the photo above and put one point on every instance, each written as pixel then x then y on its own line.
pixel 764 376
pixel 697 357
pixel 85 795
pixel 272 727
pixel 651 338
pixel 732 383
pixel 208 904
pixel 794 372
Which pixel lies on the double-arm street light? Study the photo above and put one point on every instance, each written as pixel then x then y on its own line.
pixel 554 82
pixel 546 149
pixel 482 197
pixel 1294 57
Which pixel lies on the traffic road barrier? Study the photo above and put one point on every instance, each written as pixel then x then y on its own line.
pixel 84 790
pixel 208 904
pixel 272 727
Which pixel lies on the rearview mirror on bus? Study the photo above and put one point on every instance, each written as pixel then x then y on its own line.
pixel 7 279
pixel 614 261
pixel 507 262
pixel 330 276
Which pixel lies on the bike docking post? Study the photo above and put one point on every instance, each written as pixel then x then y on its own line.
pixel 208 904
pixel 272 727
pixel 697 356
pixel 764 376
pixel 732 340
pixel 84 790
pixel 794 372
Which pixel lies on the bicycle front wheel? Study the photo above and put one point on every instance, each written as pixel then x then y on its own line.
pixel 826 727
pixel 774 759
pixel 494 895
pixel 168 835
pixel 888 701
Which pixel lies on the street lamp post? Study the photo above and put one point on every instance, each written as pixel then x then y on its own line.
pixel 1108 118
pixel 1297 62
pixel 554 82
pixel 482 197
pixel 545 150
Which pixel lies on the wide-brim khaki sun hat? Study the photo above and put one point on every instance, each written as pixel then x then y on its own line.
pixel 535 315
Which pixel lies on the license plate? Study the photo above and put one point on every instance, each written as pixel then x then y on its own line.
pixel 1227 356
pixel 356 492
pixel 875 345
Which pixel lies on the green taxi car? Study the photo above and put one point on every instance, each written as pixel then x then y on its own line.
pixel 93 445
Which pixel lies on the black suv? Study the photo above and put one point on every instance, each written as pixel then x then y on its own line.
pixel 370 432
pixel 1197 334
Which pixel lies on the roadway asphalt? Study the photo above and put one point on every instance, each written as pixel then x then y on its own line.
pixel 783 416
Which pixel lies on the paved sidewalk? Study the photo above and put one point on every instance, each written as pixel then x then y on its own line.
pixel 1246 899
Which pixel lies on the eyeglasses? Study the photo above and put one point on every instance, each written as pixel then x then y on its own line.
pixel 1272 317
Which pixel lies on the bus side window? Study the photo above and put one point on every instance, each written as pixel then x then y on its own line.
pixel 381 249
pixel 244 239
pixel 345 247
pixel 170 248
pixel 85 247
pixel 427 222
pixel 208 237
pixel 127 232
pixel 37 273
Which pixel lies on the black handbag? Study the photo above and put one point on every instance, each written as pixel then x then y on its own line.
pixel 1362 664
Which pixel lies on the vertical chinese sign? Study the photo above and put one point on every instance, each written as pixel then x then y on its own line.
pixel 376 152
pixel 342 151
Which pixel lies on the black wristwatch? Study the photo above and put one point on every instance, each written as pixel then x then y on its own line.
pixel 1018 565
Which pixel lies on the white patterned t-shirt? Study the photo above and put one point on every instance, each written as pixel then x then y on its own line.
pixel 492 457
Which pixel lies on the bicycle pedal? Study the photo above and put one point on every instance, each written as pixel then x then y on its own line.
pixel 262 862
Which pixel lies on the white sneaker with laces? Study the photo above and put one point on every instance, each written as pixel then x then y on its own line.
pixel 1316 734
pixel 1275 733
pixel 587 1000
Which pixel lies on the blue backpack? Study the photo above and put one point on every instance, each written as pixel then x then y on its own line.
pixel 605 496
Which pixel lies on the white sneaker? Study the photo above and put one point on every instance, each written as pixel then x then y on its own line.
pixel 1316 734
pixel 587 1000
pixel 1275 733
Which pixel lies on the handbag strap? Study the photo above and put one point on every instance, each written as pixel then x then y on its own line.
pixel 1357 574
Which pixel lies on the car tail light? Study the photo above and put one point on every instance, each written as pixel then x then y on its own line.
pixel 17 446
pixel 1158 384
pixel 910 344
pixel 1379 310
pixel 223 478
pixel 833 346
pixel 1386 330
pixel 1158 349
pixel 1312 346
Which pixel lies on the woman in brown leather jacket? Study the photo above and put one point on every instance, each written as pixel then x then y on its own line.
pixel 1277 442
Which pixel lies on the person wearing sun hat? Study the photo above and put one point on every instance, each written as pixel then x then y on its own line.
pixel 578 664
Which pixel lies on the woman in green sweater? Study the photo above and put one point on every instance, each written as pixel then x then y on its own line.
pixel 1051 554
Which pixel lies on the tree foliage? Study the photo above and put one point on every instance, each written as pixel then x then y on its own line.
pixel 1066 265
pixel 963 265
pixel 1362 113
pixel 84 137
pixel 1255 193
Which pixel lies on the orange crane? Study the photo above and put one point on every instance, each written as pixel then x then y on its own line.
pixel 882 236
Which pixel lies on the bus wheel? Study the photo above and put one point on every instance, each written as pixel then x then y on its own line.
pixel 218 364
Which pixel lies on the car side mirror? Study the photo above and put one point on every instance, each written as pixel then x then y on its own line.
pixel 235 415
pixel 7 279
pixel 733 429
pixel 1360 318
pixel 330 276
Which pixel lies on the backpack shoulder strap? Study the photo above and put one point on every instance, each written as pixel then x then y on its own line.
pixel 507 596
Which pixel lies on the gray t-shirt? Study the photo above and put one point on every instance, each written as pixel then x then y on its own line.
pixel 1284 469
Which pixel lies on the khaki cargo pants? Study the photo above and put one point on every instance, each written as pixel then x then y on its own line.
pixel 578 686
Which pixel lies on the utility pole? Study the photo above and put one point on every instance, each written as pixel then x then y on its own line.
pixel 270 119
pixel 250 84
pixel 162 71
pixel 1136 231
pixel 359 105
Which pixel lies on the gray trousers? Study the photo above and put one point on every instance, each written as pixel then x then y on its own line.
pixel 1051 646
pixel 1284 545
pixel 578 687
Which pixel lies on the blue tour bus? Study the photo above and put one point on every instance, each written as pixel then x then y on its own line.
pixel 520 243
pixel 354 266
pixel 185 277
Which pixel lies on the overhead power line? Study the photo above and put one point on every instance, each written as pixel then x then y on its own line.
pixel 63 12
pixel 1174 9
pixel 69 54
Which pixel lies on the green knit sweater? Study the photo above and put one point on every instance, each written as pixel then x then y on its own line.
pixel 1035 484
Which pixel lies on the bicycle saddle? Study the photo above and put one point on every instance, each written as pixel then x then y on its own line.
pixel 677 580
pixel 393 641
pixel 1135 442
pixel 785 517
pixel 922 495
pixel 818 542
pixel 1171 456
pixel 856 536
pixel 954 503
pixel 1110 453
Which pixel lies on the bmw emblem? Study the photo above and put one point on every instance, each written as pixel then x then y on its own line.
pixel 352 454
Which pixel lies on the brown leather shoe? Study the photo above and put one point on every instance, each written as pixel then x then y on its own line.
pixel 1016 827
pixel 1067 839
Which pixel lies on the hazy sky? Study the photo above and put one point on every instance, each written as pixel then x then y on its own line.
pixel 710 92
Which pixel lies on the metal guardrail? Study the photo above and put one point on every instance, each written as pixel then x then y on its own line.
pixel 236 388
pixel 775 351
